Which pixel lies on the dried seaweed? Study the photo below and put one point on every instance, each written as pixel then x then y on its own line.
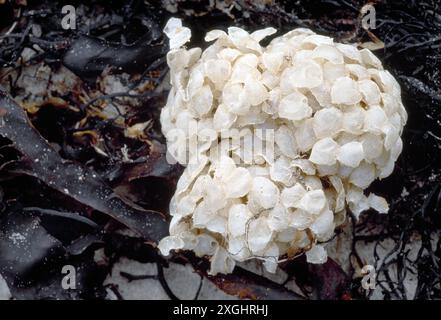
pixel 42 162
pixel 85 129
pixel 88 57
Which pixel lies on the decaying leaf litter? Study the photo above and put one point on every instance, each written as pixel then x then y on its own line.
pixel 95 93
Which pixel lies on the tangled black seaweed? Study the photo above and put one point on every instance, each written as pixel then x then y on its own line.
pixel 126 36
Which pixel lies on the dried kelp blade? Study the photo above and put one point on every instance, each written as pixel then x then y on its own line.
pixel 88 56
pixel 18 254
pixel 31 261
pixel 41 161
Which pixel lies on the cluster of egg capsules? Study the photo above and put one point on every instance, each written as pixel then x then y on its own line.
pixel 279 142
